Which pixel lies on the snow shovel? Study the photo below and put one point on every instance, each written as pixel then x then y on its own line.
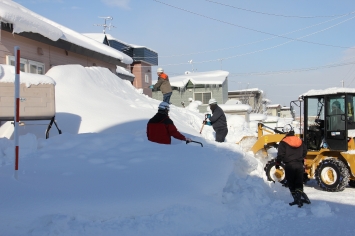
pixel 203 123
pixel 194 142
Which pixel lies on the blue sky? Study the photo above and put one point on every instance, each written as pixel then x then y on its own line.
pixel 284 48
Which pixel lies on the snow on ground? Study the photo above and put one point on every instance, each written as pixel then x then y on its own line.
pixel 102 176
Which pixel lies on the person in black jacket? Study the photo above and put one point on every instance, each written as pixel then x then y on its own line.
pixel 291 152
pixel 218 121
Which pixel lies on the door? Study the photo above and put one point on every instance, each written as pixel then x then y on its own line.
pixel 336 127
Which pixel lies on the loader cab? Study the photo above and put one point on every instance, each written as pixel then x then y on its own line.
pixel 328 120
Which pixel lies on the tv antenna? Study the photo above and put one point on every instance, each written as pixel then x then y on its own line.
pixel 109 26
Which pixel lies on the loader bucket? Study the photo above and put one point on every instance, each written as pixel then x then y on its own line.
pixel 247 142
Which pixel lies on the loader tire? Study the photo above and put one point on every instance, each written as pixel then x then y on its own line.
pixel 270 170
pixel 332 175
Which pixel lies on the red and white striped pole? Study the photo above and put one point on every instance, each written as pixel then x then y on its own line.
pixel 17 106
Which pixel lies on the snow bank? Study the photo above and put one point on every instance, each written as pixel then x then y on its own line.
pixel 103 177
pixel 7 75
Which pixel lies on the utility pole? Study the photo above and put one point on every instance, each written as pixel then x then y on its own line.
pixel 342 83
pixel 220 60
pixel 191 65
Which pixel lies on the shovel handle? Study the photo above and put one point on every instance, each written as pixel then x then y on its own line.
pixel 194 142
pixel 203 123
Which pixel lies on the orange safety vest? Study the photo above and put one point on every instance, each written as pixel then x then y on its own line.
pixel 163 76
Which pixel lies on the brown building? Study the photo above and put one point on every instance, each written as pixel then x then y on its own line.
pixel 44 44
pixel 143 60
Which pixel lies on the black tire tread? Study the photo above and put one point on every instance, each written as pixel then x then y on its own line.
pixel 343 171
pixel 267 169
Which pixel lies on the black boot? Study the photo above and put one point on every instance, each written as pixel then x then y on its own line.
pixel 296 199
pixel 304 197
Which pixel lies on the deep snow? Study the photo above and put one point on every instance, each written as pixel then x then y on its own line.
pixel 102 176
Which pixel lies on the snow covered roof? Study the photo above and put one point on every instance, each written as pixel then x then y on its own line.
pixel 208 77
pixel 235 107
pixel 24 20
pixel 100 38
pixel 334 90
pixel 96 36
pixel 257 117
pixel 265 100
pixel 233 102
pixel 285 108
pixel 110 37
pixel 273 106
pixel 248 90
pixel 7 75
pixel 123 71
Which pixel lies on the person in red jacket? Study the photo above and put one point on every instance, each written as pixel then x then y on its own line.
pixel 160 128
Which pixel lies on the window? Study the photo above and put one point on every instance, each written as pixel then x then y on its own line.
pixel 146 78
pixel 203 97
pixel 27 66
pixel 335 113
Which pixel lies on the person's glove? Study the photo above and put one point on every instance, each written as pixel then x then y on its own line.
pixel 208 123
pixel 208 116
pixel 151 87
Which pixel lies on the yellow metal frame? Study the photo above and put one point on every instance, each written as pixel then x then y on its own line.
pixel 267 138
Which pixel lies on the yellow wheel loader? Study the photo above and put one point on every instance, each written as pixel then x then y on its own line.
pixel 327 128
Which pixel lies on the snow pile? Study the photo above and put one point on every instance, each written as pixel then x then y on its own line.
pixel 102 176
pixel 193 106
pixel 124 71
pixel 210 78
pixel 7 75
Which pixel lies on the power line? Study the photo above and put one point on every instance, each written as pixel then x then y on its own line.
pixel 221 49
pixel 254 30
pixel 272 14
pixel 292 70
pixel 261 50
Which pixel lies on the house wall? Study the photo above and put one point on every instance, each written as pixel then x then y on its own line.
pixel 182 95
pixel 48 55
pixel 273 111
pixel 285 113
pixel 246 97
pixel 140 70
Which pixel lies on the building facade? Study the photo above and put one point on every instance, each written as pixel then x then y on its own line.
pixel 273 110
pixel 143 60
pixel 252 97
pixel 201 86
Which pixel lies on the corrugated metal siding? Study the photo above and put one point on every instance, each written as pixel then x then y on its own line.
pixel 146 55
pixel 122 47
